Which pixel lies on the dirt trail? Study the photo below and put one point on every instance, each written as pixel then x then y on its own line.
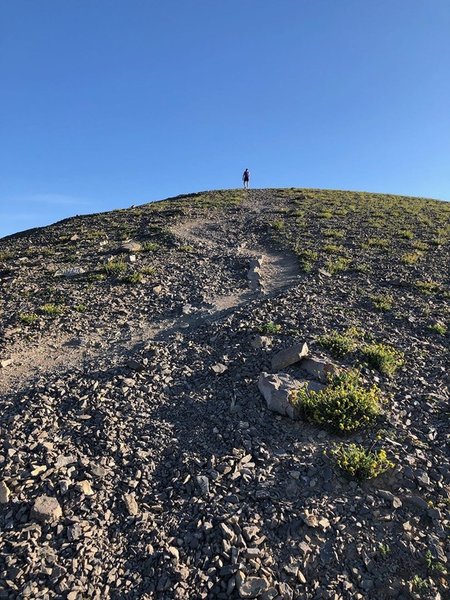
pixel 269 271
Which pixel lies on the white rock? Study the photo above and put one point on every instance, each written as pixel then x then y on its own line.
pixel 5 493
pixel 279 389
pixel 131 504
pixel 320 369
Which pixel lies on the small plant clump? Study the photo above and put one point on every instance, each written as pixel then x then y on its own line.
pixel 150 247
pixel 411 258
pixel 307 259
pixel 386 359
pixel 52 310
pixel 269 328
pixel 339 344
pixel 28 318
pixel 383 302
pixel 361 463
pixel 428 287
pixel 115 267
pixel 5 255
pixel 335 265
pixel 439 328
pixel 344 405
pixel 278 224
pixel 133 278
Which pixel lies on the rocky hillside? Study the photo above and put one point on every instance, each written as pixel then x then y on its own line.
pixel 228 395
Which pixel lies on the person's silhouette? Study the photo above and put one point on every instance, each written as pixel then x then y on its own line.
pixel 246 178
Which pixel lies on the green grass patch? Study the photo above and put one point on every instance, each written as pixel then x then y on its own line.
pixel 411 258
pixel 150 247
pixel 115 267
pixel 269 328
pixel 338 344
pixel 384 358
pixel 52 310
pixel 28 318
pixel 5 255
pixel 439 328
pixel 383 302
pixel 335 265
pixel 344 405
pixel 359 462
pixel 337 234
pixel 428 287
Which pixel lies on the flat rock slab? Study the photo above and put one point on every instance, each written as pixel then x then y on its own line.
pixel 46 509
pixel 289 356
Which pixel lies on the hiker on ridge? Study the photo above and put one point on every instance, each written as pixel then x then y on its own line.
pixel 246 178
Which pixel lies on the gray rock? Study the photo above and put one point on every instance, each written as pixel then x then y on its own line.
pixel 46 509
pixel 289 356
pixel 131 504
pixel 320 369
pixel 203 484
pixel 131 246
pixel 6 362
pixel 252 587
pixel 278 391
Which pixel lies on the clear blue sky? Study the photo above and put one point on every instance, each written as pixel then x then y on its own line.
pixel 108 103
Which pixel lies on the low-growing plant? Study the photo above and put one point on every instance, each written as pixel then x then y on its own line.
pixel 339 344
pixel 428 287
pixel 115 267
pixel 333 249
pixel 150 247
pixel 378 243
pixel 421 246
pixel 148 270
pixel 411 258
pixel 28 318
pixel 269 328
pixel 307 259
pixel 419 584
pixel 386 359
pixel 344 405
pixel 382 302
pixel 335 265
pixel 81 308
pixel 186 248
pixel 133 278
pixel 439 328
pixel 278 224
pixel 5 255
pixel 325 214
pixel 406 234
pixel 52 310
pixel 384 549
pixel 362 463
pixel 337 234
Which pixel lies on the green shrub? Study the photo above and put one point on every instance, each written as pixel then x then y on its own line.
pixel 384 358
pixel 150 247
pixel 428 287
pixel 269 328
pixel 334 265
pixel 52 309
pixel 115 267
pixel 133 278
pixel 411 258
pixel 339 344
pixel 343 406
pixel 28 318
pixel 359 462
pixel 278 224
pixel 337 234
pixel 5 255
pixel 307 259
pixel 81 308
pixel 439 327
pixel 383 302
pixel 333 249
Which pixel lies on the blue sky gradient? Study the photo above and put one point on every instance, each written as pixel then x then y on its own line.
pixel 109 103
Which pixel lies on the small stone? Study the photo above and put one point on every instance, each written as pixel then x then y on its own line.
pixel 252 587
pixel 5 493
pixel 289 356
pixel 46 509
pixel 85 488
pixel 132 246
pixel 157 290
pixel 6 362
pixel 37 470
pixel 261 341
pixel 131 504
pixel 219 368
pixel 203 484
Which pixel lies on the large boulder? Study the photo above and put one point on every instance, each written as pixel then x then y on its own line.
pixel 46 509
pixel 289 356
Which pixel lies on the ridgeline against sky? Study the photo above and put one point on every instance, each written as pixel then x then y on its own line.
pixel 109 104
